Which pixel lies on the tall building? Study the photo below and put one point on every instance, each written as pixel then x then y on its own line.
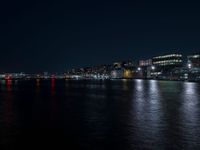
pixel 171 60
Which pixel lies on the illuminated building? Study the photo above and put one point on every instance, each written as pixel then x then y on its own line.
pixel 194 60
pixel 173 60
pixel 123 64
pixel 12 75
pixel 143 63
pixel 128 64
pixel 127 73
pixel 2 76
pixel 164 65
pixel 185 73
pixel 142 70
pixel 117 73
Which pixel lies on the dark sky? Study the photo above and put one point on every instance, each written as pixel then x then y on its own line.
pixel 57 35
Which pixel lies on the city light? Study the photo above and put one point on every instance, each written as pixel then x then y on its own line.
pixel 189 66
pixel 153 67
pixel 167 67
pixel 139 69
pixel 127 74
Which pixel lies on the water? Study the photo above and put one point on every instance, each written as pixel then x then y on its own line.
pixel 99 115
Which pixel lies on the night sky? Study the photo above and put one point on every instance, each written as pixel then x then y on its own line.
pixel 53 36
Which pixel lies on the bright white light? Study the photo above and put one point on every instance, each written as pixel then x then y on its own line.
pixel 189 66
pixel 139 69
pixel 153 67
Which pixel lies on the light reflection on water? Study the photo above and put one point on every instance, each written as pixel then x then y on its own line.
pixel 190 114
pixel 53 86
pixel 190 105
pixel 146 114
pixel 7 104
pixel 119 114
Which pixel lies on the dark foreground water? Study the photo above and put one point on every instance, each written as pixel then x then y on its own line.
pixel 99 115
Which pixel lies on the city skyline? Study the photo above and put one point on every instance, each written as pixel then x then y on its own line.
pixel 99 74
pixel 135 61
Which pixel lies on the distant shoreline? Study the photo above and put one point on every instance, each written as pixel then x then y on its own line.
pixel 111 79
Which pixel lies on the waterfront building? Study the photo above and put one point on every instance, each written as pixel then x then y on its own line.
pixel 143 71
pixel 2 76
pixel 185 73
pixel 123 64
pixel 117 73
pixel 127 73
pixel 194 60
pixel 164 65
pixel 128 64
pixel 144 63
pixel 171 60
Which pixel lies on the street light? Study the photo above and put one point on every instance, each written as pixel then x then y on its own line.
pixel 153 67
pixel 189 66
pixel 139 69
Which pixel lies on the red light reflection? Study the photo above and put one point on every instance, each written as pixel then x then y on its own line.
pixel 8 84
pixel 8 111
pixel 52 86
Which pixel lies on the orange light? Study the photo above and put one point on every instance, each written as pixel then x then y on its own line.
pixel 127 74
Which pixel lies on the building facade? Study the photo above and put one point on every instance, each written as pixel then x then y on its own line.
pixel 173 60
pixel 194 60
pixel 144 63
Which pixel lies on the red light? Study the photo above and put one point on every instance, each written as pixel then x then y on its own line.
pixel 52 82
pixel 8 84
pixel 7 77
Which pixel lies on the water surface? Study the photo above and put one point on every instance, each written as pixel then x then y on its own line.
pixel 99 115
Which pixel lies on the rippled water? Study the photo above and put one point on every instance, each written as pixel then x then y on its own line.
pixel 100 115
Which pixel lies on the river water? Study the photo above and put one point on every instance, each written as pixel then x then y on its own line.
pixel 99 115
